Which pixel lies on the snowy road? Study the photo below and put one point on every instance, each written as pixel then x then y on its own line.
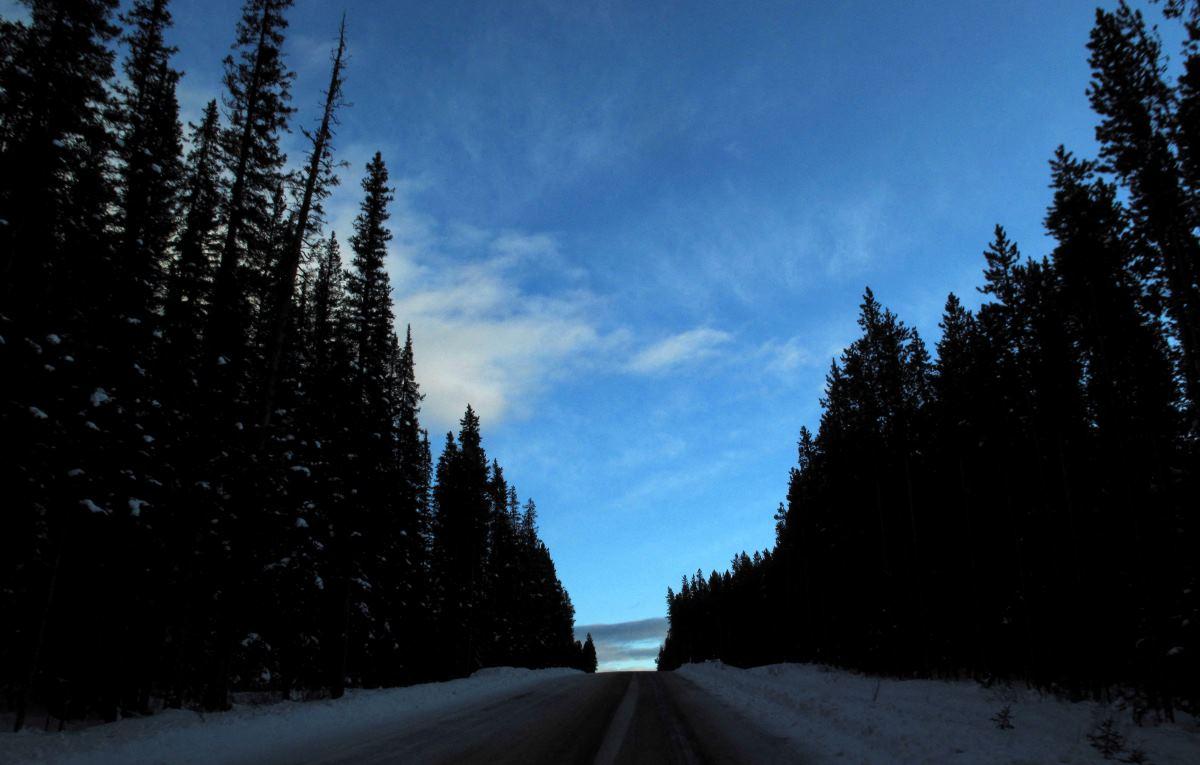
pixel 627 717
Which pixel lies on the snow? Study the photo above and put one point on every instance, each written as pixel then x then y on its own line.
pixel 288 730
pixel 832 715
pixel 136 505
pixel 38 413
pixel 92 506
pixel 53 339
pixel 99 396
pixel 74 473
pixel 301 469
pixel 301 523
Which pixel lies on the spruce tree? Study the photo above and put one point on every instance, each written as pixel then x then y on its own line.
pixel 56 255
pixel 369 293
pixel 461 514
pixel 55 160
pixel 589 663
pixel 190 277
pixel 1187 114
pixel 1136 107
pixel 150 152
pixel 258 93
pixel 318 179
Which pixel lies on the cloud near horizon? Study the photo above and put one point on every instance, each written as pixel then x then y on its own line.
pixel 626 645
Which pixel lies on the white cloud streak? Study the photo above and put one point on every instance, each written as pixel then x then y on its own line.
pixel 680 349
pixel 481 336
pixel 626 645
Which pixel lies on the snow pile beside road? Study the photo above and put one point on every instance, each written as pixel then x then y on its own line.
pixel 260 733
pixel 836 716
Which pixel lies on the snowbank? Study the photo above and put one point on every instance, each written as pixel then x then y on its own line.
pixel 837 716
pixel 257 733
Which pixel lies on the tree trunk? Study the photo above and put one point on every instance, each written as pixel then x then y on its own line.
pixel 31 677
pixel 290 265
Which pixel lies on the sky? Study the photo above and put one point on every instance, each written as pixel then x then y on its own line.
pixel 634 234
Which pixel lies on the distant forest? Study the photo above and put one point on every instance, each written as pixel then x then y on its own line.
pixel 212 470
pixel 1024 506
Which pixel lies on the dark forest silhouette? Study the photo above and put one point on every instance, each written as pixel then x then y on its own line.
pixel 1024 507
pixel 214 477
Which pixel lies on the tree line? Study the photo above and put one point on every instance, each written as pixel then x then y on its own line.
pixel 214 476
pixel 1023 506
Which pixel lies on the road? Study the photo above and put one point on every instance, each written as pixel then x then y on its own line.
pixel 618 717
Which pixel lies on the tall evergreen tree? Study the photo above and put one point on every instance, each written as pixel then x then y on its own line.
pixel 1187 114
pixel 589 663
pixel 258 86
pixel 150 153
pixel 1136 107
pixel 56 256
pixel 461 514
pixel 318 180
pixel 190 277
pixel 54 159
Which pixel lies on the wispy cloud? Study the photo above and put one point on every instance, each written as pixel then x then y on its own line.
pixel 626 645
pixel 859 231
pixel 483 335
pixel 783 357
pixel 481 340
pixel 680 349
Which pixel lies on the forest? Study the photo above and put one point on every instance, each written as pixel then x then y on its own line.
pixel 214 475
pixel 1019 506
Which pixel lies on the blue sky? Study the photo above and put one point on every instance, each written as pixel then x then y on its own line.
pixel 634 234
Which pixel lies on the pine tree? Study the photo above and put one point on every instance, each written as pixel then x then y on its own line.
pixel 1186 123
pixel 1136 106
pixel 1131 398
pixel 189 283
pixel 258 88
pixel 318 180
pixel 54 160
pixel 243 470
pixel 150 151
pixel 369 292
pixel 56 151
pixel 589 662
pixel 461 514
